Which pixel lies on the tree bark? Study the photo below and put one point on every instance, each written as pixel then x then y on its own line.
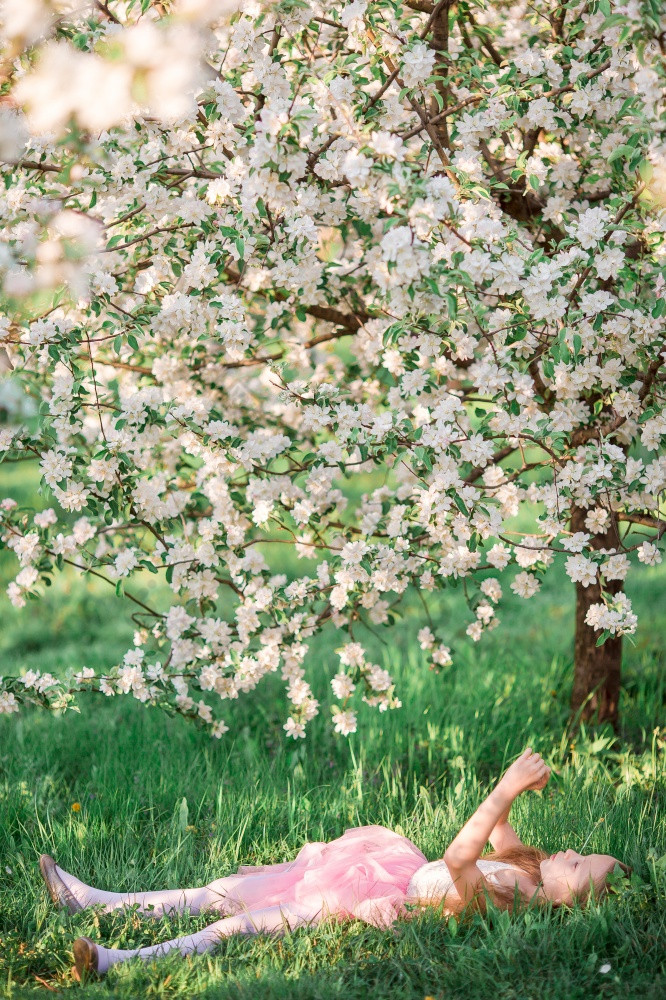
pixel 440 43
pixel 597 669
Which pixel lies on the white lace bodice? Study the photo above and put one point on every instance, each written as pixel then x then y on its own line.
pixel 433 880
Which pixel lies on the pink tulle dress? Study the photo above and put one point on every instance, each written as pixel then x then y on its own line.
pixel 363 874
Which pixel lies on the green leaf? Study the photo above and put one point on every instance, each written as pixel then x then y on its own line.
pixel 619 152
pixel 645 170
pixel 612 22
pixel 646 414
pixel 624 34
pixel 439 98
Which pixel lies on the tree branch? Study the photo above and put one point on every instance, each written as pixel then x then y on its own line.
pixel 644 519
pixel 421 5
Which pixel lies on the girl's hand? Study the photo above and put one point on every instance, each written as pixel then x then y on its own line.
pixel 527 772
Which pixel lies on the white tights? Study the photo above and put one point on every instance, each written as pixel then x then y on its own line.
pixel 281 917
pixel 159 902
pixel 278 918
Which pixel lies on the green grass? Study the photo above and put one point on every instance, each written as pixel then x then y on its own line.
pixel 253 797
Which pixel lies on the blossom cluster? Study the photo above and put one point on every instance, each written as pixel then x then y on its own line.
pixel 249 255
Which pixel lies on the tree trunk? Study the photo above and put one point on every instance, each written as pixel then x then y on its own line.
pixel 596 685
pixel 439 41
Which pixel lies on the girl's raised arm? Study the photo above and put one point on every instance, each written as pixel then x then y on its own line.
pixel 528 771
pixel 503 835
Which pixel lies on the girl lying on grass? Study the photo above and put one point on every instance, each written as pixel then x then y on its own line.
pixel 368 873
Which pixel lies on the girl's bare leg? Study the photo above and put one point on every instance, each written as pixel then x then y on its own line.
pixel 281 917
pixel 156 903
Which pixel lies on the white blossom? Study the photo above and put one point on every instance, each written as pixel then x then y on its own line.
pixel 425 638
pixel 648 554
pixel 342 685
pixel 294 729
pixel 581 570
pixel 417 64
pixel 8 703
pixel 525 584
pixel 344 722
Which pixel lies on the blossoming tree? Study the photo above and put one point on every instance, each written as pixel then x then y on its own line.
pixel 250 255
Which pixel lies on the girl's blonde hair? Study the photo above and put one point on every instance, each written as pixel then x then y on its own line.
pixel 528 859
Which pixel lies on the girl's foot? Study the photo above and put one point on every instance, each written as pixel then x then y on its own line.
pixel 86 958
pixel 58 891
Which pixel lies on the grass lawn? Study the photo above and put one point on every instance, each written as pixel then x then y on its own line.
pixel 163 805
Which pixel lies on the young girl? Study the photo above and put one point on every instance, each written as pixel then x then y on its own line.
pixel 368 873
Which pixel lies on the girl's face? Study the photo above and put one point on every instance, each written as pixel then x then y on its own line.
pixel 568 873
